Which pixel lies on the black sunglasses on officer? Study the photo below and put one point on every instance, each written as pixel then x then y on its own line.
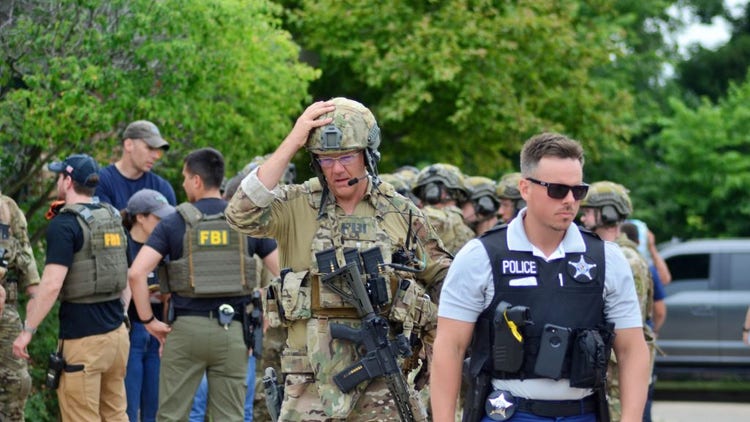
pixel 560 191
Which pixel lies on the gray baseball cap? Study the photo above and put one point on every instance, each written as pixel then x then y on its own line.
pixel 143 129
pixel 149 201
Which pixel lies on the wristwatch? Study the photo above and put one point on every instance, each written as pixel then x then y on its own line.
pixel 30 330
pixel 745 329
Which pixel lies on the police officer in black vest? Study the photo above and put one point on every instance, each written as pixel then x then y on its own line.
pixel 540 297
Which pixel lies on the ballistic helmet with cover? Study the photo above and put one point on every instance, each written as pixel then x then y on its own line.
pixel 397 182
pixel 507 187
pixel 353 128
pixel 482 192
pixel 613 200
pixel 408 174
pixel 432 177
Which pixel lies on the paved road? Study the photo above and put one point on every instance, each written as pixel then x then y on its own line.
pixel 683 411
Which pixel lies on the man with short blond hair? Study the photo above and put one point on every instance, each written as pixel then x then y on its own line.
pixel 142 147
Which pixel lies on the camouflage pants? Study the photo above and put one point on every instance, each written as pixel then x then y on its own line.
pixel 613 390
pixel 273 342
pixel 15 382
pixel 302 403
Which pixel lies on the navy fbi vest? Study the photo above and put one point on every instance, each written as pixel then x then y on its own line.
pixel 566 292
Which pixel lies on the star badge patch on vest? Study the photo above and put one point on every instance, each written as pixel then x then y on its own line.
pixel 500 405
pixel 582 271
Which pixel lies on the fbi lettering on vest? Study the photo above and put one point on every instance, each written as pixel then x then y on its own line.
pixel 112 240
pixel 213 237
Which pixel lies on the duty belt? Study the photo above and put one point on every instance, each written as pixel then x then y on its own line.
pixel 500 405
pixel 561 408
pixel 212 314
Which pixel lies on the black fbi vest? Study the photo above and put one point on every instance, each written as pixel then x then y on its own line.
pixel 565 292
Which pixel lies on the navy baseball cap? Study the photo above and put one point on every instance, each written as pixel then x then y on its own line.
pixel 80 167
pixel 149 201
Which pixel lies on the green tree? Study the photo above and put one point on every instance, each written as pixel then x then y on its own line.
pixel 73 73
pixel 218 73
pixel 699 191
pixel 473 80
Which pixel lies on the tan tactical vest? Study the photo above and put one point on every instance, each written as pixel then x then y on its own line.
pixel 306 301
pixel 214 262
pixel 99 270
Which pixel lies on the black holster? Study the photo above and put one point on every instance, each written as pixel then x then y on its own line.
pixel 479 388
pixel 602 407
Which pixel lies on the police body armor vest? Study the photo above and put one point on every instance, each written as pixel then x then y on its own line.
pixel 99 270
pixel 566 292
pixel 214 262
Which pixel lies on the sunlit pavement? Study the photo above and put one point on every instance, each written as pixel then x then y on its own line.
pixel 684 411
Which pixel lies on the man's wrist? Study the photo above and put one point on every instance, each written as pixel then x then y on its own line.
pixel 745 329
pixel 148 320
pixel 28 329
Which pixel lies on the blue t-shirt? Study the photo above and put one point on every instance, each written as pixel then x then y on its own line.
pixel 116 189
pixel 167 239
pixel 77 320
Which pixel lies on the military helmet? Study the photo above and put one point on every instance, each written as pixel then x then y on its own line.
pixel 447 175
pixel 353 128
pixel 397 182
pixel 612 198
pixel 507 187
pixel 482 191
pixel 408 174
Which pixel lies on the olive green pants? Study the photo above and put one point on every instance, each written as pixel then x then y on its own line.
pixel 196 345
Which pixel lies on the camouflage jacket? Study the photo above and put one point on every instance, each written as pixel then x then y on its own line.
pixel 14 238
pixel 290 215
pixel 450 226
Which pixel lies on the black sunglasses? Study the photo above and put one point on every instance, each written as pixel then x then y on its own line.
pixel 560 191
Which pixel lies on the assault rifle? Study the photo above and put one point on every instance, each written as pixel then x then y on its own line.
pixel 380 352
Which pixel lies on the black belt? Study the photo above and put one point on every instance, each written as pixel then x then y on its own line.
pixel 206 314
pixel 556 408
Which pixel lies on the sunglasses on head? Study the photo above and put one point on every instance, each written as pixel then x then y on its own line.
pixel 560 191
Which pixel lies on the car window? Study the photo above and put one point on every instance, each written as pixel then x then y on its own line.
pixel 689 267
pixel 689 272
pixel 739 271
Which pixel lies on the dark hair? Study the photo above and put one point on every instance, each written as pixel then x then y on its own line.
pixel 128 219
pixel 207 163
pixel 631 231
pixel 83 189
pixel 548 145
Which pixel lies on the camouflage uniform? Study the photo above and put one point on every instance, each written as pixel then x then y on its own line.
pixel 613 204
pixel 303 223
pixel 644 288
pixel 447 219
pixel 15 382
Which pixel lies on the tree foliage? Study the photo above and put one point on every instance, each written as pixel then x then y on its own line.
pixel 74 73
pixel 471 80
pixel 705 155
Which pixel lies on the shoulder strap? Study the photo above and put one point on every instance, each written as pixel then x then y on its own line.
pixel 189 213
